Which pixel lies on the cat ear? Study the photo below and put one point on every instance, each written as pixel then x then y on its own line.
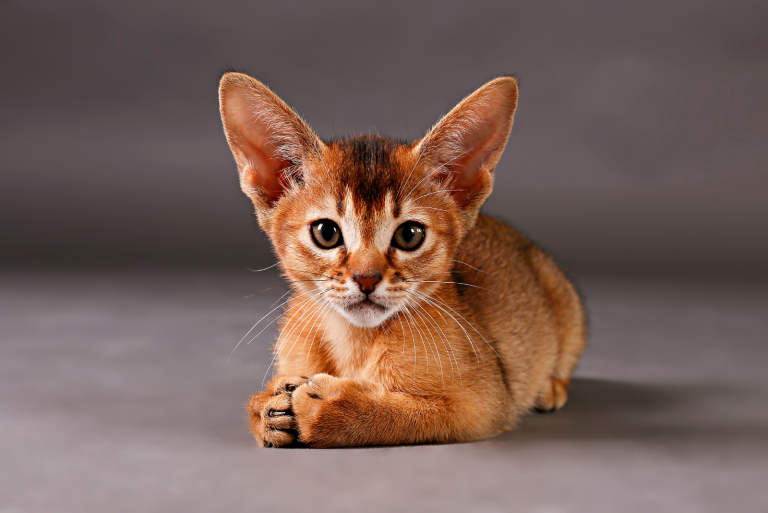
pixel 465 145
pixel 269 140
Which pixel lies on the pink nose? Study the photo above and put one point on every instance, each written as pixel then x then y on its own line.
pixel 367 282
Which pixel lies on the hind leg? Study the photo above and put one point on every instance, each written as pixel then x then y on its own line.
pixel 553 396
pixel 554 392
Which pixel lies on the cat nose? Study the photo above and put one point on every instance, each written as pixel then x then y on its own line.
pixel 367 281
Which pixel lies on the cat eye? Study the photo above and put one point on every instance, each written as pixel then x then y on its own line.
pixel 408 236
pixel 326 234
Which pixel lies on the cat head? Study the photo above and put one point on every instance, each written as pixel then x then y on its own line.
pixel 366 224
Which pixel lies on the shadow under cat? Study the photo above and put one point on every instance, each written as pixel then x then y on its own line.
pixel 607 409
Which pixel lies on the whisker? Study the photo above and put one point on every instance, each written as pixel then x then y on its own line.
pixel 254 327
pixel 284 302
pixel 262 270
pixel 290 289
pixel 421 154
pixel 473 267
pixel 472 344
pixel 277 344
pixel 308 311
pixel 436 351
pixel 443 339
pixel 458 283
pixel 450 346
pixel 248 296
pixel 473 327
pixel 436 192
pixel 241 299
pixel 433 208
pixel 428 175
pixel 405 278
pixel 315 313
pixel 276 318
pixel 328 309
pixel 413 339
pixel 427 344
pixel 421 335
pixel 310 272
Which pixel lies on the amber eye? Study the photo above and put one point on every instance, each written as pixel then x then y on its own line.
pixel 326 233
pixel 408 236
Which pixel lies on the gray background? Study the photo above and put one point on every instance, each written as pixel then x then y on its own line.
pixel 640 145
pixel 638 157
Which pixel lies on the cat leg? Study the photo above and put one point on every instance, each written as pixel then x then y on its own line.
pixel 553 395
pixel 554 392
pixel 272 421
pixel 344 412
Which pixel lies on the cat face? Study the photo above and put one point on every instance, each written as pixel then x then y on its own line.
pixel 365 237
pixel 366 225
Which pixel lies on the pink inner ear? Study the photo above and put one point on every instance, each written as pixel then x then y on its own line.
pixel 468 142
pixel 254 118
pixel 263 170
pixel 470 173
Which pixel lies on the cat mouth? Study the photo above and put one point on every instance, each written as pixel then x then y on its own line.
pixel 365 306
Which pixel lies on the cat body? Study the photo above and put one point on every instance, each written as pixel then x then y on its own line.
pixel 413 317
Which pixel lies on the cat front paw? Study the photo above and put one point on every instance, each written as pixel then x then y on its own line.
pixel 271 414
pixel 327 410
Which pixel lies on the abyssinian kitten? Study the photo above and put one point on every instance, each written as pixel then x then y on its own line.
pixel 413 317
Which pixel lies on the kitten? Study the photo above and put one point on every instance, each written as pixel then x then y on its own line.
pixel 414 318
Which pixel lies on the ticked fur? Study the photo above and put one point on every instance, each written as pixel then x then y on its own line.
pixel 458 337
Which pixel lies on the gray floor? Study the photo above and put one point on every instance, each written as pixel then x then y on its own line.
pixel 116 395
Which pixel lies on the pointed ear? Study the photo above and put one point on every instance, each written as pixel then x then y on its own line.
pixel 464 147
pixel 268 139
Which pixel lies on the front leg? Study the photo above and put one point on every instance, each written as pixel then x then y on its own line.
pixel 272 420
pixel 344 412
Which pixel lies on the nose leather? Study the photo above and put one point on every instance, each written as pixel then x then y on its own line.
pixel 367 282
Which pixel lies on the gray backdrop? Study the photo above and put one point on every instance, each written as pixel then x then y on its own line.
pixel 640 142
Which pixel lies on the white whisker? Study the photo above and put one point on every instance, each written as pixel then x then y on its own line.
pixel 443 340
pixel 436 192
pixel 277 344
pixel 473 327
pixel 473 267
pixel 262 270
pixel 257 323
pixel 459 283
pixel 436 351
pixel 425 342
pixel 472 344
pixel 328 309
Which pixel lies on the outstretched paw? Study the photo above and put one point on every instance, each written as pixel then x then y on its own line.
pixel 272 419
pixel 328 409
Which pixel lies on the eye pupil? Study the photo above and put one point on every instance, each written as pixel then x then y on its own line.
pixel 328 231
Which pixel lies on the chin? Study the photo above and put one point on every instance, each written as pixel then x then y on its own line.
pixel 366 314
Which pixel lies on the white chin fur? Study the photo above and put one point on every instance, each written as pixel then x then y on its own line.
pixel 366 317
